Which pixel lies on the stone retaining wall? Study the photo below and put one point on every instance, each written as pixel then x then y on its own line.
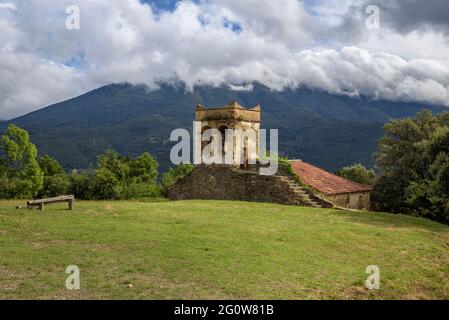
pixel 229 183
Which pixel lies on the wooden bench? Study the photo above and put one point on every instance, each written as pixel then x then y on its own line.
pixel 40 204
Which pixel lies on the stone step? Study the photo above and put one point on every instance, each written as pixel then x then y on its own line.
pixel 314 205
pixel 303 197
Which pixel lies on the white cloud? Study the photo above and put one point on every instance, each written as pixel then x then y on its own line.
pixel 244 87
pixel 7 5
pixel 278 43
pixel 27 83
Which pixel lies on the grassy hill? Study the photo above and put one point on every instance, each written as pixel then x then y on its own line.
pixel 327 130
pixel 224 250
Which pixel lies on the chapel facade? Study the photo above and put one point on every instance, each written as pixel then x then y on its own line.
pixel 295 183
pixel 242 143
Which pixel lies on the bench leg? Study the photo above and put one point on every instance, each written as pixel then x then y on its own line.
pixel 71 204
pixel 41 207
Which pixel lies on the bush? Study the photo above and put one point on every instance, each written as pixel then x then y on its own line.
pixel 143 169
pixel 137 191
pixel 6 188
pixel 55 185
pixel 80 186
pixel 50 166
pixel 11 188
pixel 104 185
pixel 358 173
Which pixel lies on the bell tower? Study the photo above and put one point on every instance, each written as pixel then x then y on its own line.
pixel 245 126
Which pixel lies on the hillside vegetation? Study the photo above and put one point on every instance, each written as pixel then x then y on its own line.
pixel 218 250
pixel 327 130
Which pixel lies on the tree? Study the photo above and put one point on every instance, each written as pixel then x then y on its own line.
pixel 54 186
pixel 56 181
pixel 80 185
pixel 20 167
pixel 50 166
pixel 144 169
pixel 358 173
pixel 413 162
pixel 115 163
pixel 119 177
pixel 430 197
pixel 104 185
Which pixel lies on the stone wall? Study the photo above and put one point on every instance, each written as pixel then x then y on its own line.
pixel 229 183
pixel 358 200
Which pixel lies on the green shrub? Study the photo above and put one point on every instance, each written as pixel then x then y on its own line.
pixel 358 173
pixel 6 188
pixel 137 191
pixel 104 185
pixel 55 185
pixel 50 166
pixel 80 186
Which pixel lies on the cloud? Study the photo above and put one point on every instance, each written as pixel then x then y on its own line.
pixel 409 15
pixel 7 5
pixel 244 87
pixel 354 72
pixel 27 83
pixel 285 43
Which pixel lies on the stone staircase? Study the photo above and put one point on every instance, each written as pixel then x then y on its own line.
pixel 305 197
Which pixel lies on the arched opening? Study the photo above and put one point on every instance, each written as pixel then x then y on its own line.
pixel 360 204
pixel 222 130
pixel 245 144
pixel 347 201
pixel 204 143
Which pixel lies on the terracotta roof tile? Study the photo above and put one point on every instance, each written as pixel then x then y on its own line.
pixel 324 181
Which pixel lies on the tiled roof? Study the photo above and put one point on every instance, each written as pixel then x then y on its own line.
pixel 324 181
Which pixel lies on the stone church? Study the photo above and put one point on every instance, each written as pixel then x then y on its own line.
pixel 295 183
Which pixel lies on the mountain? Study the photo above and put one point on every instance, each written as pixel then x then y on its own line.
pixel 327 130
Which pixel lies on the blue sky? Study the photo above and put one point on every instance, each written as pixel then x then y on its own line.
pixel 162 4
pixel 284 43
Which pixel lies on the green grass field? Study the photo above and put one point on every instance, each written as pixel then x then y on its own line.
pixel 218 250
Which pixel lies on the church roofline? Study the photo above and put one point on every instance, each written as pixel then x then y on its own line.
pixel 233 105
pixel 231 111
pixel 326 182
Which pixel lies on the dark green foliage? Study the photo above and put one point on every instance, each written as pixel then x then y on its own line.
pixel 3 167
pixel 413 160
pixel 429 197
pixel 55 185
pixel 56 181
pixel 327 130
pixel 174 174
pixel 124 178
pixel 50 166
pixel 116 176
pixel 21 175
pixel 104 185
pixel 358 173
pixel 80 185
pixel 143 169
pixel 115 164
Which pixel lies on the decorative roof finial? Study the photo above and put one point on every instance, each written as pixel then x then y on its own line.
pixel 199 107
